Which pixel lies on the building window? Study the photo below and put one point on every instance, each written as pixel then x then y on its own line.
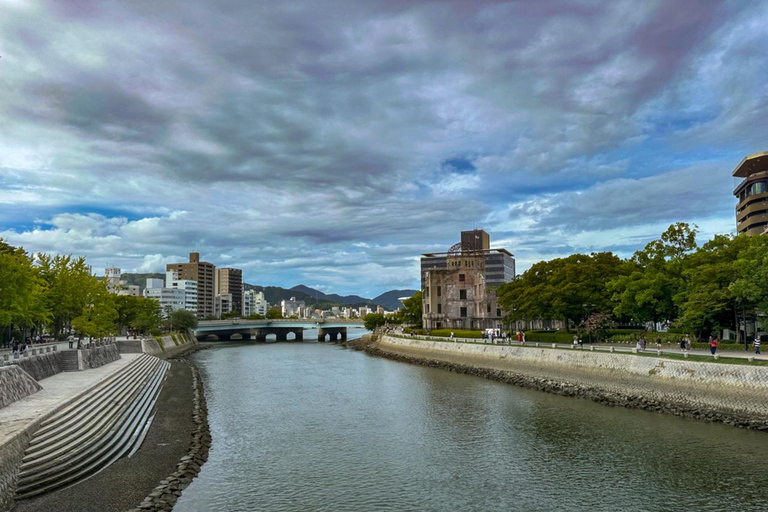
pixel 439 308
pixel 498 312
pixel 463 294
pixel 427 308
pixel 461 277
pixel 488 308
pixel 463 312
pixel 439 291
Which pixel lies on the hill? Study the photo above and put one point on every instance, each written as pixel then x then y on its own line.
pixel 388 300
pixel 340 299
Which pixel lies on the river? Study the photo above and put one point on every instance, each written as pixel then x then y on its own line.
pixel 316 427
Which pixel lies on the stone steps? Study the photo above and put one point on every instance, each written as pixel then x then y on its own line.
pixel 69 361
pixel 107 423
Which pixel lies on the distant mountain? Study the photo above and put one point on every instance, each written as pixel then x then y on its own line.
pixel 388 300
pixel 346 299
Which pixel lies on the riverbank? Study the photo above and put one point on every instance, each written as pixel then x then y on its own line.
pixel 124 484
pixel 731 394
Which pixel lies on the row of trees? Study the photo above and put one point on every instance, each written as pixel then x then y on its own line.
pixel 672 280
pixel 409 314
pixel 58 295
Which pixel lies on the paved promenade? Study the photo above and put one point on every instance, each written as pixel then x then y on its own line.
pixel 57 391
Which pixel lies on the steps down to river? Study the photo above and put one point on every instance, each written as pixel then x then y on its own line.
pixel 108 422
pixel 69 360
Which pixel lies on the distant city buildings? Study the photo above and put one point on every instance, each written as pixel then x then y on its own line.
pixel 222 304
pixel 254 303
pixel 752 194
pixel 458 287
pixel 173 294
pixel 204 273
pixel 291 307
pixel 117 286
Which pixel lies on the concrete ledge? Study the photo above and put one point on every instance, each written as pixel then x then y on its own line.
pixel 15 384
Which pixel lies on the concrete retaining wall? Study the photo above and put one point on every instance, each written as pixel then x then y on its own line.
pixel 11 454
pixel 15 384
pixel 95 357
pixel 40 366
pixel 169 349
pixel 689 388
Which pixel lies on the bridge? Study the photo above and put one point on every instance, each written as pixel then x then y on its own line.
pixel 258 330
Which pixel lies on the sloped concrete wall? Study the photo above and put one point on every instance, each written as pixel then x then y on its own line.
pixel 40 366
pixel 731 389
pixel 186 344
pixel 15 384
pixel 95 357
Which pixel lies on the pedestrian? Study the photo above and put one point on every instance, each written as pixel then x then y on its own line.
pixel 756 343
pixel 682 344
pixel 519 336
pixel 71 342
pixel 658 342
pixel 523 336
pixel 688 342
pixel 451 334
pixel 575 339
pixel 712 345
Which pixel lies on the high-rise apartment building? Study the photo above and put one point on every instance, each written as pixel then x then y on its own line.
pixel 229 281
pixel 752 194
pixel 205 275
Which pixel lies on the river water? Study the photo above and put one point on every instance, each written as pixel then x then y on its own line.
pixel 315 427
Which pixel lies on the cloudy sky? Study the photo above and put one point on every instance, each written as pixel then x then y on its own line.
pixel 330 143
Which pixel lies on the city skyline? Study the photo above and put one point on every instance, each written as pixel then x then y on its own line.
pixel 333 145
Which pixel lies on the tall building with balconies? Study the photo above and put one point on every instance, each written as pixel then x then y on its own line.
pixel 752 194
pixel 230 281
pixel 204 273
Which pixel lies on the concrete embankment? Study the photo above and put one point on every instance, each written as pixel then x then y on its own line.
pixel 728 393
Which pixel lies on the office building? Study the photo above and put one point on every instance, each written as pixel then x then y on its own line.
pixel 291 307
pixel 230 281
pixel 204 273
pixel 752 194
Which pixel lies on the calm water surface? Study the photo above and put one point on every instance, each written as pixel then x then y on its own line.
pixel 315 427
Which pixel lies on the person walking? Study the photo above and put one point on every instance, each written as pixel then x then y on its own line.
pixel 682 344
pixel 688 342
pixel 658 342
pixel 756 343
pixel 712 345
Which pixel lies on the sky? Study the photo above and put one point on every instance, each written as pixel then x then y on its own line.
pixel 331 143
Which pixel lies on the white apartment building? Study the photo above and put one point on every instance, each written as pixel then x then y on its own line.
pixel 291 307
pixel 254 303
pixel 118 286
pixel 173 293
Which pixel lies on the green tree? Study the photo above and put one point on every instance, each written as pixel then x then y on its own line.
pixel 411 312
pixel 566 289
pixel 373 320
pixel 183 320
pixel 21 291
pixel 645 291
pixel 97 318
pixel 274 313
pixel 148 316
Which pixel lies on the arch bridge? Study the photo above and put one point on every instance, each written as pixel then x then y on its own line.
pixel 281 330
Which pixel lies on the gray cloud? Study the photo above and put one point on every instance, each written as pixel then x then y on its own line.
pixel 267 134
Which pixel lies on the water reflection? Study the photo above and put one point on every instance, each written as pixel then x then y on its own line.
pixel 316 427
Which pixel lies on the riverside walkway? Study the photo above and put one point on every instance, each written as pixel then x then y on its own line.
pixel 57 391
pixel 651 350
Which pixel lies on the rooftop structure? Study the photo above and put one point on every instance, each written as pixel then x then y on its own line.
pixel 752 194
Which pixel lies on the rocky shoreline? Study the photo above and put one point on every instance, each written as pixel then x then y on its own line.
pixel 164 496
pixel 631 401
